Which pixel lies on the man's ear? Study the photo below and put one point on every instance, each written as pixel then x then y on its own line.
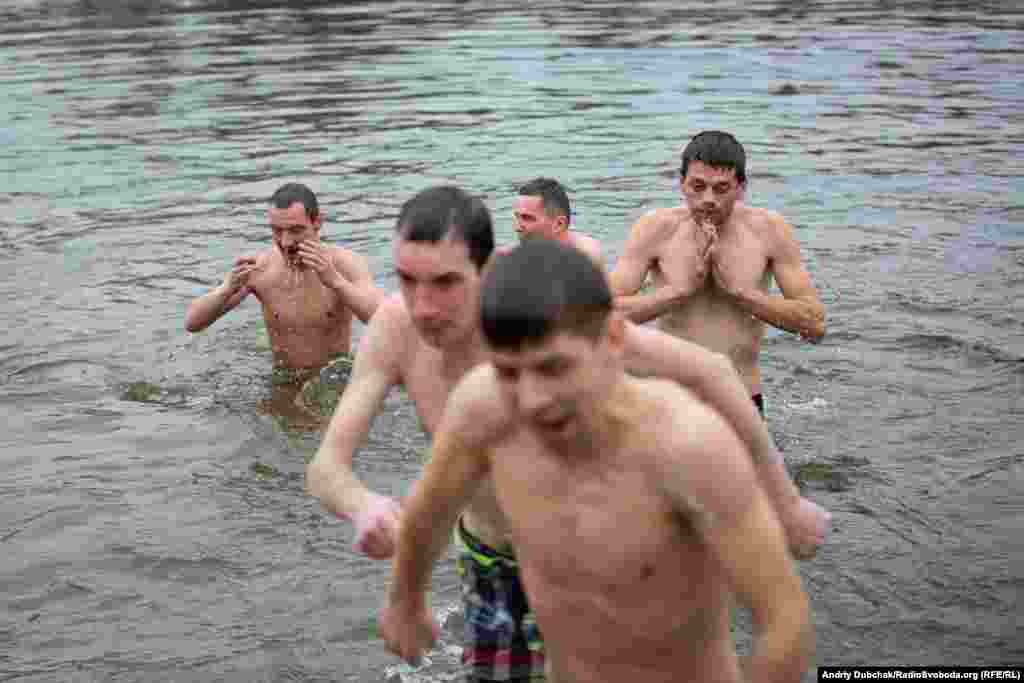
pixel 562 223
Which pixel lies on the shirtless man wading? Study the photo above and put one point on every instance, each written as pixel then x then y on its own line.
pixel 635 511
pixel 712 262
pixel 309 290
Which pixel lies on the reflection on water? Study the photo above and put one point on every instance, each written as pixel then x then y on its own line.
pixel 153 504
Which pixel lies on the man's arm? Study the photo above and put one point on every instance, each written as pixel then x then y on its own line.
pixel 357 287
pixel 738 522
pixel 458 464
pixel 713 379
pixel 638 257
pixel 208 308
pixel 589 246
pixel 798 310
pixel 753 552
pixel 329 475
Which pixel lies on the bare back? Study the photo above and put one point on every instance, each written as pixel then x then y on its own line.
pixel 307 323
pixel 618 574
pixel 710 317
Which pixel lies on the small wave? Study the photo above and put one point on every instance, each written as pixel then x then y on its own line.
pixel 972 350
pixel 815 405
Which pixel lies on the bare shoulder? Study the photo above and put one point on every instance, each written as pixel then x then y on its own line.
pixel 266 274
pixel 697 459
pixel 347 258
pixel 658 225
pixel 390 332
pixel 769 223
pixel 393 317
pixel 684 424
pixel 475 409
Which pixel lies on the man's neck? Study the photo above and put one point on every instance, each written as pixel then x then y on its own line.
pixel 460 357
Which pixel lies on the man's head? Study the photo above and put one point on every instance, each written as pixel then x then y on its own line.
pixel 443 239
pixel 294 216
pixel 546 315
pixel 713 175
pixel 542 209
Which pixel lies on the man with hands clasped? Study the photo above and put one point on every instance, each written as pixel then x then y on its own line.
pixel 712 262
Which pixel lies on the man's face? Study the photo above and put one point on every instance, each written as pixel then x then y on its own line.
pixel 291 226
pixel 532 221
pixel 440 286
pixel 711 192
pixel 552 386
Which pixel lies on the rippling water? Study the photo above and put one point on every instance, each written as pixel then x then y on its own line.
pixel 152 516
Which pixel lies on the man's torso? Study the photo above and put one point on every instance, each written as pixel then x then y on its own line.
pixel 619 579
pixel 710 317
pixel 307 323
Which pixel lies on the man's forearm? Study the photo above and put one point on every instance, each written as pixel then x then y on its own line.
pixel 362 299
pixel 799 316
pixel 205 310
pixel 641 308
pixel 336 485
pixel 423 538
pixel 784 646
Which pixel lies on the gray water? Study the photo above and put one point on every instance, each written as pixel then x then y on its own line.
pixel 152 517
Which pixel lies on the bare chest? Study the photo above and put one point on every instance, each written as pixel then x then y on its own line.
pixel 294 300
pixel 604 529
pixel 428 382
pixel 743 256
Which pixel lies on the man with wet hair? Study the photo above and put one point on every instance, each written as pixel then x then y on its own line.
pixel 712 262
pixel 309 290
pixel 636 512
pixel 425 338
pixel 542 210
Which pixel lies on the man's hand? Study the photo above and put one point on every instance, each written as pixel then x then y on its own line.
pixel 376 526
pixel 722 272
pixel 407 630
pixel 706 237
pixel 806 528
pixel 316 256
pixel 238 276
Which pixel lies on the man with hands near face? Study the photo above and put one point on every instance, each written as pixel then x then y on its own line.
pixel 309 290
pixel 712 261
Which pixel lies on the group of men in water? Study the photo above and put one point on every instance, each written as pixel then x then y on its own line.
pixel 611 486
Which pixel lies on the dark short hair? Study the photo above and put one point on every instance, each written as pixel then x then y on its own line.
pixel 540 288
pixel 289 193
pixel 552 194
pixel 437 212
pixel 716 148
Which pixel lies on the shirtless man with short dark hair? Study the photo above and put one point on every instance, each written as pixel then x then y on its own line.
pixel 309 290
pixel 712 262
pixel 542 210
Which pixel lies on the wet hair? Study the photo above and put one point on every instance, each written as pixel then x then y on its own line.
pixel 552 194
pixel 540 288
pixel 288 194
pixel 718 149
pixel 437 212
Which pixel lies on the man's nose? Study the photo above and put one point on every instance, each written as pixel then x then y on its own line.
pixel 532 395
pixel 425 304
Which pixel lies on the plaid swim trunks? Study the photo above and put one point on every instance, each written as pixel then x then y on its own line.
pixel 501 639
